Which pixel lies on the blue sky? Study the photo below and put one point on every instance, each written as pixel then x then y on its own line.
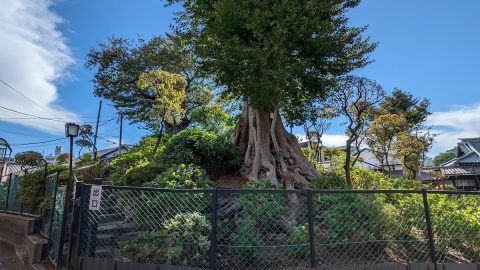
pixel 428 47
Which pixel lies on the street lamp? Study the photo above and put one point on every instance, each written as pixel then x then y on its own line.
pixel 71 130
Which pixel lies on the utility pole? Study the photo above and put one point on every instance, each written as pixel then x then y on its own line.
pixel 120 138
pixel 96 132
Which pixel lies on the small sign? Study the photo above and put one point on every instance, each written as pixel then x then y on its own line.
pixel 95 198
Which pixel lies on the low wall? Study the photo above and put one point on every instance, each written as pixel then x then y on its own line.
pixel 86 263
pixel 18 232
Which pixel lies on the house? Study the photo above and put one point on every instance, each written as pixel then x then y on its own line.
pixel 5 152
pixel 107 155
pixel 463 172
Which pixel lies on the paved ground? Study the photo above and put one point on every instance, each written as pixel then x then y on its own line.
pixel 7 259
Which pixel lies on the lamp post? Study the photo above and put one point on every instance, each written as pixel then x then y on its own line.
pixel 71 131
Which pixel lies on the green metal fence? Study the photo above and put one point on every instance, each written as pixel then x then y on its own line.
pixel 50 193
pixel 55 248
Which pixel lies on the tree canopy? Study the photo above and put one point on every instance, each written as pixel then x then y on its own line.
pixel 443 157
pixel 120 62
pixel 415 110
pixel 29 158
pixel 274 53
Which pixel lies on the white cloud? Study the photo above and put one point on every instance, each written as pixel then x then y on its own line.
pixel 459 122
pixel 33 56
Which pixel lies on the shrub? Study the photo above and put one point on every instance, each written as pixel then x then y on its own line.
pixel 350 218
pixel 183 240
pixel 329 180
pixel 124 168
pixel 32 187
pixel 181 177
pixel 206 149
pixel 139 175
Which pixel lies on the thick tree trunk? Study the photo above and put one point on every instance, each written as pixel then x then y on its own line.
pixel 269 151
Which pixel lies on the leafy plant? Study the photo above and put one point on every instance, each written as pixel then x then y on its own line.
pixel 181 177
pixel 183 240
pixel 32 186
pixel 206 149
pixel 329 180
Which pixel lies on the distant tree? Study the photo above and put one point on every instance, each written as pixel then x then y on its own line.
pixel 82 143
pixel 63 158
pixel 443 157
pixel 411 149
pixel 86 138
pixel 29 158
pixel 356 98
pixel 318 120
pixel 169 90
pixel 415 110
pixel 381 136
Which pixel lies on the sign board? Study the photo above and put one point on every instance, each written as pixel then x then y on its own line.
pixel 95 198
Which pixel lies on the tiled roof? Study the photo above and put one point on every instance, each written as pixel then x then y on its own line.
pixel 471 157
pixel 460 170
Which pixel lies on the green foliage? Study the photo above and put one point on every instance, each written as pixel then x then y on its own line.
pixel 402 103
pixel 32 186
pixel 206 149
pixel 169 91
pixel 140 174
pixel 213 117
pixel 29 158
pixel 350 217
pixel 63 158
pixel 274 52
pixel 329 180
pixel 126 167
pixel 183 240
pixel 261 213
pixel 443 157
pixel 181 177
pixel 120 62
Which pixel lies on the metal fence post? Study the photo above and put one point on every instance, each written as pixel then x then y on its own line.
pixel 8 192
pixel 311 233
pixel 429 229
pixel 74 224
pixel 79 228
pixel 213 252
pixel 63 228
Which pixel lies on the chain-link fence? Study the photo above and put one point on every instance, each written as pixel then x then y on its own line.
pixel 275 229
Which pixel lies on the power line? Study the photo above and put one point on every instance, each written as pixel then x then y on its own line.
pixel 20 133
pixel 36 116
pixel 20 93
pixel 107 140
pixel 32 143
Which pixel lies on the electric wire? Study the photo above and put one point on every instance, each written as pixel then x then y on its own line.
pixel 42 142
pixel 29 99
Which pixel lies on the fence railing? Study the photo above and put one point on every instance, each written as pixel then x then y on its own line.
pixel 272 229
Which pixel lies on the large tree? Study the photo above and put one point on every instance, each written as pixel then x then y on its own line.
pixel 273 55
